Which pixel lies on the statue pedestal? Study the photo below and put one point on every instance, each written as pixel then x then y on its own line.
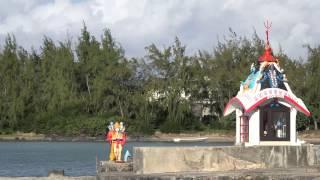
pixel 111 166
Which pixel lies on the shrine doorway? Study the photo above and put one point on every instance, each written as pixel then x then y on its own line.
pixel 274 122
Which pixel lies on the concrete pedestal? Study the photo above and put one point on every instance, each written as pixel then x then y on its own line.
pixel 147 160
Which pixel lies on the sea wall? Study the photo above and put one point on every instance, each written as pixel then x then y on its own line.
pixel 148 160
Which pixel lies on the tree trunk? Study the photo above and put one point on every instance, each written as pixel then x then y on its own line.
pixel 88 87
pixel 120 107
pixel 315 121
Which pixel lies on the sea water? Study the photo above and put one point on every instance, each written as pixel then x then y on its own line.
pixel 75 158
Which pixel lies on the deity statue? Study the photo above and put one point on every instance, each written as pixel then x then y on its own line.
pixel 250 83
pixel 117 138
pixel 109 139
pixel 273 76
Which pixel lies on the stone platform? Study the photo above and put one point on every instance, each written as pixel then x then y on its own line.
pixel 150 160
pixel 229 162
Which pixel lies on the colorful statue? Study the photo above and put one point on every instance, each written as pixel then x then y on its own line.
pixel 274 77
pixel 250 82
pixel 266 73
pixel 117 138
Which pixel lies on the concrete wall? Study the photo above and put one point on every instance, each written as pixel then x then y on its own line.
pixel 180 159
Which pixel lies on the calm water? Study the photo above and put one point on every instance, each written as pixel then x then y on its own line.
pixel 76 158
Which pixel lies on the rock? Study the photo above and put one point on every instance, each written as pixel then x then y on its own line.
pixel 111 166
pixel 56 173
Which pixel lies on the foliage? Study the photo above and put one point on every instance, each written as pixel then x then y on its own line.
pixel 77 90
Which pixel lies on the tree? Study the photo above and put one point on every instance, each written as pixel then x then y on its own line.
pixel 312 83
pixel 171 79
pixel 87 50
pixel 12 106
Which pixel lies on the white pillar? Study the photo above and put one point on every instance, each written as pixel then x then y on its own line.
pixel 293 131
pixel 254 128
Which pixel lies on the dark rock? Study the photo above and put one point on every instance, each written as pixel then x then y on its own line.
pixel 56 172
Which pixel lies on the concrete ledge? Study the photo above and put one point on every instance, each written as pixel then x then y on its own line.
pixel 278 143
pixel 110 166
pixel 148 160
pixel 283 173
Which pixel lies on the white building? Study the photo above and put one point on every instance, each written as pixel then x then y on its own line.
pixel 265 106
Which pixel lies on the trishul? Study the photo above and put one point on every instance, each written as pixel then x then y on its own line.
pixel 267 25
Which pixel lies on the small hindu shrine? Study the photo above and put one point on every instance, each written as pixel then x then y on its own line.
pixel 265 106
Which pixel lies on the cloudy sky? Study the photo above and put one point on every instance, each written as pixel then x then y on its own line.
pixel 138 23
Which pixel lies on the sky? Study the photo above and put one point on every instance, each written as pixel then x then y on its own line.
pixel 135 24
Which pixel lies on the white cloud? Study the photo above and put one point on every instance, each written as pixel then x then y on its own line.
pixel 138 23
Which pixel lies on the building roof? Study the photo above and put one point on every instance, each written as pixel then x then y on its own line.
pixel 248 102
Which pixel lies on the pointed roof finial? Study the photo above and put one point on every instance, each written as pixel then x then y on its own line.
pixel 267 55
pixel 267 25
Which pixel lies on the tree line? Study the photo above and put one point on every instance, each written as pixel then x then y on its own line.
pixel 68 89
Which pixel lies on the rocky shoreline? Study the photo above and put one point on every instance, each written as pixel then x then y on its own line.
pixel 94 139
pixel 310 137
pixel 51 178
pixel 157 137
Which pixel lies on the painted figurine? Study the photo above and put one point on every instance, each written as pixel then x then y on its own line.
pixel 109 139
pixel 117 138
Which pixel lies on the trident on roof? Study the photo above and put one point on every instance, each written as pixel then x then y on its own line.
pixel 267 25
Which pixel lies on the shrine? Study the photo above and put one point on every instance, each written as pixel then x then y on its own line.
pixel 265 106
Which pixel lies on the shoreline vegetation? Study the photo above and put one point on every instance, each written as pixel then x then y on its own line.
pixel 157 137
pixel 74 88
pixel 226 136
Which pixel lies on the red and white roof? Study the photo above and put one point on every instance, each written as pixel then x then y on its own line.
pixel 248 102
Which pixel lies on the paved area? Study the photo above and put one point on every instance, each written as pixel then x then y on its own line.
pixel 293 173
